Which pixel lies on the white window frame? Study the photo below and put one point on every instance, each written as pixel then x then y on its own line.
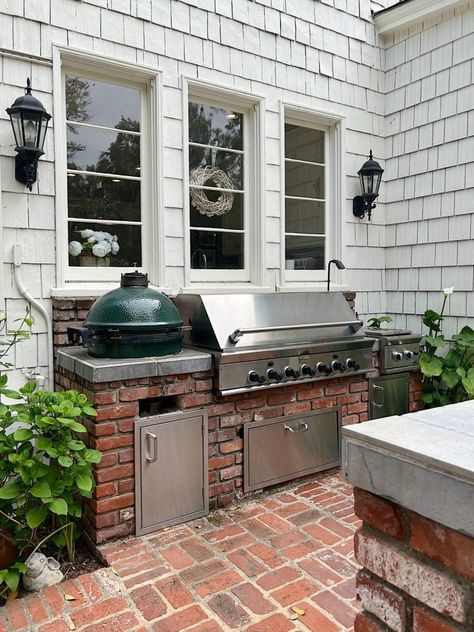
pixel 146 80
pixel 252 107
pixel 333 127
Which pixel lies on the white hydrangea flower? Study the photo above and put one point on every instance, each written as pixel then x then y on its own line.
pixel 115 238
pixel 115 247
pixel 99 235
pixel 105 244
pixel 448 290
pixel 108 237
pixel 85 234
pixel 75 248
pixel 98 250
pixel 92 240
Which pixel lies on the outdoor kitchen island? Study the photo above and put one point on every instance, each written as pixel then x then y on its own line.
pixel 179 438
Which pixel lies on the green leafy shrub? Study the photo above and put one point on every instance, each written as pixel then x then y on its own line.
pixel 447 365
pixel 376 322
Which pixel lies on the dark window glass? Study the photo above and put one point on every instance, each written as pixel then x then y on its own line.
pixel 304 180
pixel 231 164
pixel 127 237
pixel 96 197
pixel 233 220
pixel 304 216
pixel 304 253
pixel 217 250
pixel 304 143
pixel 209 125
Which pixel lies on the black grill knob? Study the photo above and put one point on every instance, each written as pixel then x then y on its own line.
pixel 254 378
pixel 307 370
pixel 396 355
pixel 274 375
pixel 321 367
pixel 352 364
pixel 290 372
pixel 337 366
pixel 408 354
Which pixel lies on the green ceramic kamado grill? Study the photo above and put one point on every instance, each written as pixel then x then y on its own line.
pixel 133 321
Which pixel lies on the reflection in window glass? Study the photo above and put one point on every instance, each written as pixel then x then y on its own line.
pixel 103 172
pixel 305 203
pixel 216 180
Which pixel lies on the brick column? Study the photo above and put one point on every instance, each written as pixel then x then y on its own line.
pixel 417 574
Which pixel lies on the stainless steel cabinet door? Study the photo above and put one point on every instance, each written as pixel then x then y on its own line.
pixel 389 395
pixel 171 468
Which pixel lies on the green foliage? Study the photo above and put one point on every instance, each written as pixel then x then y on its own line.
pixel 45 471
pixel 376 323
pixel 447 365
pixel 13 337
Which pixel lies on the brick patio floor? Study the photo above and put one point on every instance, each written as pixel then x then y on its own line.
pixel 241 569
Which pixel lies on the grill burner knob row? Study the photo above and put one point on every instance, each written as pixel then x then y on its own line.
pixel 307 370
pixel 290 372
pixel 274 375
pixel 255 378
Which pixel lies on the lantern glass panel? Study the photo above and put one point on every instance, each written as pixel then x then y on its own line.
pixel 32 127
pixel 377 179
pixel 15 118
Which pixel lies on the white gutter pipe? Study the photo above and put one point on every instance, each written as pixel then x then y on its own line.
pixel 24 291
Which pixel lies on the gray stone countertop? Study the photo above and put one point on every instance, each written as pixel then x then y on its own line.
pixel 96 370
pixel 423 461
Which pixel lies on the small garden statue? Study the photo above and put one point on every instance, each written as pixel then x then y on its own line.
pixel 41 571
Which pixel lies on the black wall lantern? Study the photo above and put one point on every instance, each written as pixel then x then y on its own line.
pixel 370 175
pixel 29 121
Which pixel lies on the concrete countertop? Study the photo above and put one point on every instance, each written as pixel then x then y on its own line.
pixel 423 461
pixel 97 370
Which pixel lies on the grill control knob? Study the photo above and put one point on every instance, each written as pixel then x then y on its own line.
pixel 274 375
pixel 322 368
pixel 307 370
pixel 396 355
pixel 290 372
pixel 338 366
pixel 408 354
pixel 352 364
pixel 254 378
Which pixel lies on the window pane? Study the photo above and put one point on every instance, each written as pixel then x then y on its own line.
pixel 128 239
pixel 303 216
pixel 304 180
pixel 231 164
pixel 101 103
pixel 232 219
pixel 304 253
pixel 304 143
pixel 90 149
pixel 95 197
pixel 213 251
pixel 211 125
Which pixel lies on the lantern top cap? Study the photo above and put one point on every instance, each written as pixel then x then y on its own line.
pixel 28 103
pixel 370 166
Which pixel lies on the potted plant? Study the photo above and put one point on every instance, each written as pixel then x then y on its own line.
pixel 95 248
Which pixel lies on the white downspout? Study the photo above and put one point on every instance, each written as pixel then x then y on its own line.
pixel 24 291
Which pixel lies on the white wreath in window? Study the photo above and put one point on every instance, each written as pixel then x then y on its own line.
pixel 199 199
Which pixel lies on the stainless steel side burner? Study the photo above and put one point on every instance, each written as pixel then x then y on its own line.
pixel 399 349
pixel 262 341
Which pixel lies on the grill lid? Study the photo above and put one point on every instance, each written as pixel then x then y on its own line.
pixel 237 322
pixel 133 307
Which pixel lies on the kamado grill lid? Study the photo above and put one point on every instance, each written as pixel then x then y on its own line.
pixel 133 307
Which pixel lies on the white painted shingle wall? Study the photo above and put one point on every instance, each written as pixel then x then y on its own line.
pixel 429 177
pixel 320 54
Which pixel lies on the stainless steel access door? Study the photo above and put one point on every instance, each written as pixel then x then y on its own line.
pixel 281 449
pixel 171 470
pixel 388 395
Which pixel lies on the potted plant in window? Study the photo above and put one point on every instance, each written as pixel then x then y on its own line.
pixel 95 247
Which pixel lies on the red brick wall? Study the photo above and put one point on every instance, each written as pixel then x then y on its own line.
pixel 417 574
pixel 111 512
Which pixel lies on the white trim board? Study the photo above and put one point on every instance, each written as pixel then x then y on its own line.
pixel 405 14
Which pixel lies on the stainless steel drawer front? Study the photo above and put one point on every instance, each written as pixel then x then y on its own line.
pixel 281 449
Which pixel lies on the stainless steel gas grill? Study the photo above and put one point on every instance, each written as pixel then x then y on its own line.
pixel 262 341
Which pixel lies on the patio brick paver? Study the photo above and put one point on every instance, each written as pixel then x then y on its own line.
pixel 241 570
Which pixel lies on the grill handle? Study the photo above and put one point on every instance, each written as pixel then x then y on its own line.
pixel 238 333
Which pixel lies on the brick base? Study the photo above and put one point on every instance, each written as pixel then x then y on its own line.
pixel 418 575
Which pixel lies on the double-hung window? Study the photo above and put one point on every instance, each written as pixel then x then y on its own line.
pixel 313 193
pixel 104 126
pixel 220 190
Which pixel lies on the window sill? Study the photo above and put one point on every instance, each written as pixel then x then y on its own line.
pixel 226 289
pixel 315 286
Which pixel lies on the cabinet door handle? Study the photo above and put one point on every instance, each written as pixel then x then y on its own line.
pixel 303 427
pixel 154 440
pixel 381 402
